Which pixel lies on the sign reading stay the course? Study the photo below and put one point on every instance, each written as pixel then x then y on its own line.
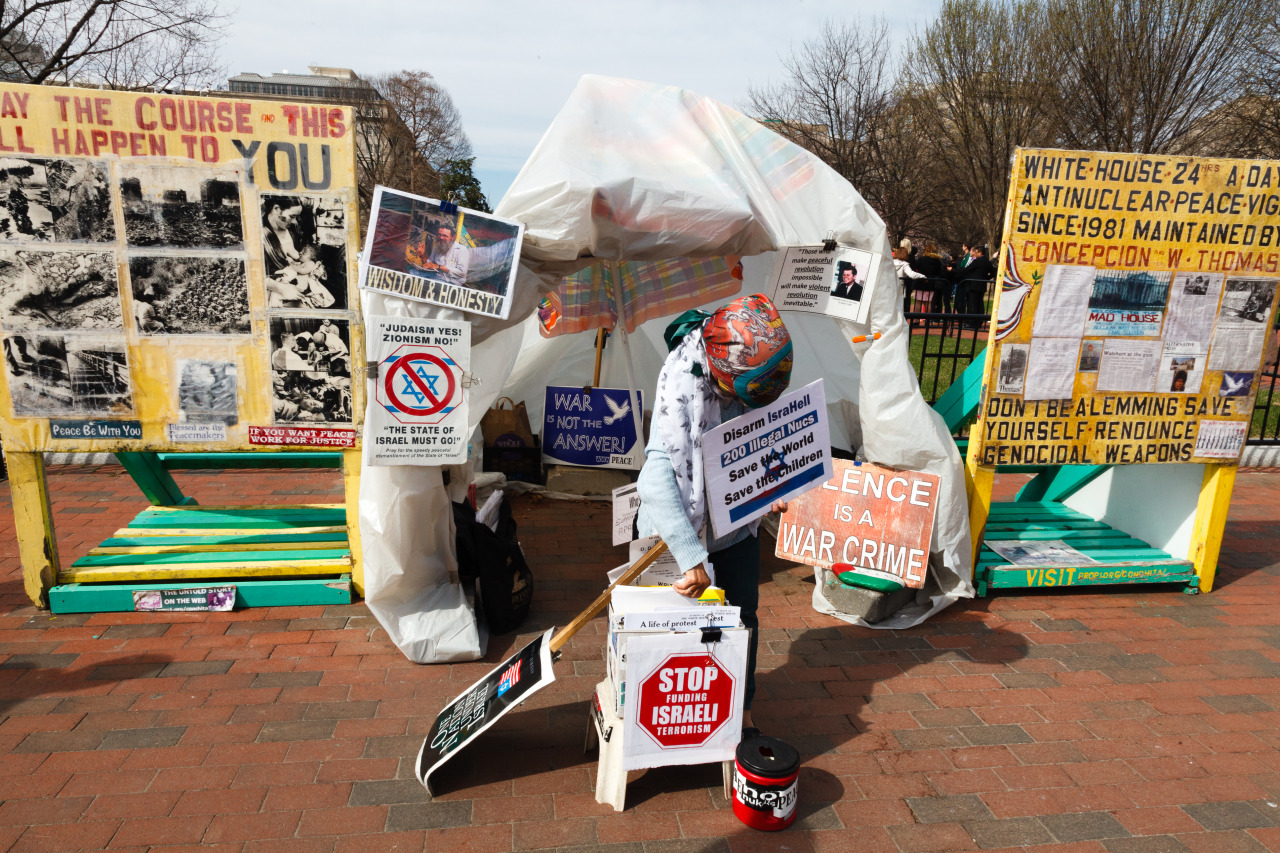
pixel 768 454
pixel 878 519
pixel 419 416
pixel 592 427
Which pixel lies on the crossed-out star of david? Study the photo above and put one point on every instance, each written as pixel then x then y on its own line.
pixel 412 390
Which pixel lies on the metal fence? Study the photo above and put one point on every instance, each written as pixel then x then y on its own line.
pixel 942 346
pixel 1265 428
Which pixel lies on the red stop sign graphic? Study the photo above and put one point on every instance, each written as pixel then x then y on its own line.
pixel 685 701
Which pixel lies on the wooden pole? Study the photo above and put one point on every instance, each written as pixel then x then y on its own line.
pixel 33 520
pixel 595 381
pixel 645 561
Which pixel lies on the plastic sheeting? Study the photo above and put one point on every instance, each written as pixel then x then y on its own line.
pixel 635 171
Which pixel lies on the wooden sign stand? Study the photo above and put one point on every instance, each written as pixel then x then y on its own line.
pixel 283 554
pixel 1133 469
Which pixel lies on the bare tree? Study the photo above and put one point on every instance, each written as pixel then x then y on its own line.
pixel 409 130
pixel 985 73
pixel 1250 126
pixel 122 43
pixel 836 84
pixel 1142 75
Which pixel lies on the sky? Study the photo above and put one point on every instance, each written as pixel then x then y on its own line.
pixel 510 65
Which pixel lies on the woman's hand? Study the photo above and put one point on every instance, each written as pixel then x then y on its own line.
pixel 778 506
pixel 695 582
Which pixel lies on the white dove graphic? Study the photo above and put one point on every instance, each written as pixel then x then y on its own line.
pixel 618 412
pixel 1233 387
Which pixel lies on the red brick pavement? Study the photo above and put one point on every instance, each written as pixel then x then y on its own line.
pixel 1131 721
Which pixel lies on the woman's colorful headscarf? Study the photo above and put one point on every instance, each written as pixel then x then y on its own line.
pixel 749 350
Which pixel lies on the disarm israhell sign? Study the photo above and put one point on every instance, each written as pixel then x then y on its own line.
pixel 878 519
pixel 768 454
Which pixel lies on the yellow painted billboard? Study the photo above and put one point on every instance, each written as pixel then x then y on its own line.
pixel 1136 304
pixel 176 272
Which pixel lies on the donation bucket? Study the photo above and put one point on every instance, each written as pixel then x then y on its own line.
pixel 765 783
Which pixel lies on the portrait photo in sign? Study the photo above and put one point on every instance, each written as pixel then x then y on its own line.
pixel 73 374
pixel 57 201
pixel 189 295
pixel 59 290
pixel 311 370
pixel 304 251
pixel 465 260
pixel 207 392
pixel 849 279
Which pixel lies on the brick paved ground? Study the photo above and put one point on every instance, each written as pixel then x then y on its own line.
pixel 1136 721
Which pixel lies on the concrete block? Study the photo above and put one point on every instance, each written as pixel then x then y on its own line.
pixel 868 604
pixel 573 480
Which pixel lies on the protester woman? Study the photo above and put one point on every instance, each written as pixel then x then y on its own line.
pixel 720 366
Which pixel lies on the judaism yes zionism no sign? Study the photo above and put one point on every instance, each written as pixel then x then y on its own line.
pixel 768 454
pixel 1137 294
pixel 419 412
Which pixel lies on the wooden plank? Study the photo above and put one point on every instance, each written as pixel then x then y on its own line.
pixel 155 482
pixel 241 520
pixel 1050 525
pixel 118 598
pixel 263 459
pixel 224 548
pixel 186 558
pixel 232 508
pixel 169 532
pixel 1059 483
pixel 1211 519
pixel 1041 535
pixel 205 571
pixel 33 523
pixel 1173 572
pixel 254 538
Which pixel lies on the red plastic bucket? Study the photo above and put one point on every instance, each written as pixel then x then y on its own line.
pixel 765 788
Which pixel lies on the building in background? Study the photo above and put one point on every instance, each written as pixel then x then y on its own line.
pixel 384 146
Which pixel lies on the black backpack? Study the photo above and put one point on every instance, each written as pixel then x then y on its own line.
pixel 495 562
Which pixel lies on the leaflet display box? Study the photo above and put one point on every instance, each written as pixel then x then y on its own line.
pixel 661 623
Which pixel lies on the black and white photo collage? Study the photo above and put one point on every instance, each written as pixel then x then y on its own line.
pixel 179 238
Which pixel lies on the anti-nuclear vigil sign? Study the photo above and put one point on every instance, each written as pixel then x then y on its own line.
pixel 1135 309
pixel 765 455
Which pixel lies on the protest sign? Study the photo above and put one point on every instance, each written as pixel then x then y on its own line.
pixel 768 454
pixel 1139 291
pixel 838 282
pixel 688 698
pixel 591 427
pixel 880 520
pixel 463 719
pixel 175 270
pixel 422 250
pixel 626 504
pixel 421 412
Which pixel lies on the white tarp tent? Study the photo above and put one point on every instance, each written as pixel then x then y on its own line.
pixel 635 171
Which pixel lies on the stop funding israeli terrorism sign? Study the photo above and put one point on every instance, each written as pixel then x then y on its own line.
pixel 685 700
pixel 683 697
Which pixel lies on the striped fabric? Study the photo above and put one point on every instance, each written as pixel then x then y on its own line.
pixel 584 300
